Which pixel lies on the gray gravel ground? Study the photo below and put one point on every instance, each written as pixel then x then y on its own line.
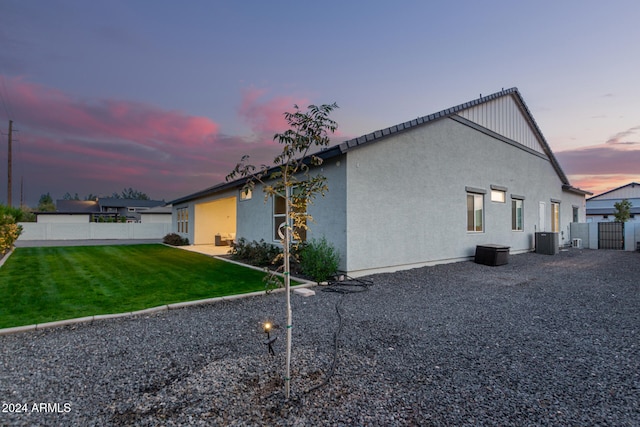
pixel 544 340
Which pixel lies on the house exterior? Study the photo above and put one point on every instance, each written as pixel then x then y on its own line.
pixel 601 208
pixel 419 193
pixel 127 208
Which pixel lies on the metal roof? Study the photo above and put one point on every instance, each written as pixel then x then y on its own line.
pixel 631 184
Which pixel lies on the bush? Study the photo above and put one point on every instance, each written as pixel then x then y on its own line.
pixel 259 254
pixel 319 259
pixel 174 239
pixel 9 230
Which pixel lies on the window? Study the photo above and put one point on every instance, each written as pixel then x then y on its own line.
pixel 475 203
pixel 555 217
pixel 516 215
pixel 183 220
pixel 246 194
pixel 280 216
pixel 575 214
pixel 498 196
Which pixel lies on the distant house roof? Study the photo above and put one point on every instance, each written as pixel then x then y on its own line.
pixel 631 185
pixel 378 135
pixel 112 202
pixel 77 206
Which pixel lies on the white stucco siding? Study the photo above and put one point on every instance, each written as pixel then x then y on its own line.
pixel 155 218
pixel 406 201
pixel 63 218
pixel 255 216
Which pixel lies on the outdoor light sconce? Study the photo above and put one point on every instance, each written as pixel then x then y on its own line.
pixel 267 326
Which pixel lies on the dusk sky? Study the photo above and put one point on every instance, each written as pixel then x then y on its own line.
pixel 166 96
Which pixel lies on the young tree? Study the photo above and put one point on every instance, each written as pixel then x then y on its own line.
pixel 290 179
pixel 623 210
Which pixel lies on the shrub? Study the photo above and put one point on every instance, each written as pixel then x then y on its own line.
pixel 319 259
pixel 9 229
pixel 174 239
pixel 259 254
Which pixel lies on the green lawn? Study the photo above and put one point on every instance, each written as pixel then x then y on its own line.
pixel 45 284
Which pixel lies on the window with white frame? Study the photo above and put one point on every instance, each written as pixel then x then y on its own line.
pixel 280 216
pixel 183 220
pixel 498 196
pixel 517 220
pixel 475 212
pixel 555 217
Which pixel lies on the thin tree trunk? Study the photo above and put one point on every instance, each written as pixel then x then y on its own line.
pixel 287 282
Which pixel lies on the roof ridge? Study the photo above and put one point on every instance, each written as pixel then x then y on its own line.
pixel 369 137
pixel 632 183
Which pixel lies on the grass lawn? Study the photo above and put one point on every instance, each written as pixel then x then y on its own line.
pixel 45 284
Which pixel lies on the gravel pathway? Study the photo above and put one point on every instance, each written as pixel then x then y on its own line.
pixel 544 340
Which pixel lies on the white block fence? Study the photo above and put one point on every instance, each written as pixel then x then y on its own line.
pixel 93 231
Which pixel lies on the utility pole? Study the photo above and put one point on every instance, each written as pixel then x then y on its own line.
pixel 9 195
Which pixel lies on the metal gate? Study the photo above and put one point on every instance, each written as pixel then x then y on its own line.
pixel 611 235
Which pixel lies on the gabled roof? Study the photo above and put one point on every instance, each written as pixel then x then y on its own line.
pixel 629 186
pixel 453 112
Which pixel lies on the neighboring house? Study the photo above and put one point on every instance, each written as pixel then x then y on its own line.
pixel 104 209
pixel 70 212
pixel 423 192
pixel 128 208
pixel 601 208
pixel 158 214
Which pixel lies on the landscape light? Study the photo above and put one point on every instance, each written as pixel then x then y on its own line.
pixel 267 326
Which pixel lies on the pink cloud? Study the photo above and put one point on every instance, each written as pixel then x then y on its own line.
pixel 68 144
pixel 629 137
pixel 604 159
pixel 46 111
pixel 266 116
pixel 602 167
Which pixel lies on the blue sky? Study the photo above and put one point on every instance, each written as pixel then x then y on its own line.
pixel 165 96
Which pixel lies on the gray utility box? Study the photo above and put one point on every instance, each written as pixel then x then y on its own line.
pixel 492 255
pixel 547 243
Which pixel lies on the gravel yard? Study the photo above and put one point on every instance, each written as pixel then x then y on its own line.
pixel 543 340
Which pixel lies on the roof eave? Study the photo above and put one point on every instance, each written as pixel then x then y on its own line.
pixel 571 189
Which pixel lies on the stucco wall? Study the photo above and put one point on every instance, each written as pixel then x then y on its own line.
pixel 406 201
pixel 92 230
pixel 63 218
pixel 255 216
pixel 198 216
pixel 215 217
pixel 155 218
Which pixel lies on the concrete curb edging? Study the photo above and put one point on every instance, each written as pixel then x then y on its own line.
pixel 6 257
